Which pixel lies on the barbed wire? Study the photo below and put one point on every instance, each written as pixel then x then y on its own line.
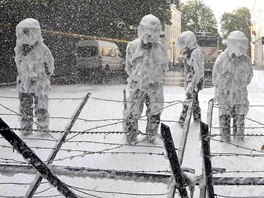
pixel 238 146
pixel 235 155
pixel 43 196
pixel 42 191
pixel 86 153
pixel 12 160
pixel 238 135
pixel 250 105
pixel 83 151
pixel 120 193
pixel 46 131
pixel 37 139
pixel 88 120
pixel 50 98
pixel 19 183
pixel 78 150
pixel 14 183
pixel 120 122
pixel 91 142
pixel 81 191
pixel 105 151
pixel 226 196
pixel 247 118
pixel 96 98
pixel 246 127
pixel 12 163
pixel 74 132
pixel 241 171
pixel 111 143
pixel 252 120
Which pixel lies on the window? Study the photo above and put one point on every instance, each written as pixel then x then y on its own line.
pixel 87 51
pixel 207 42
pixel 109 51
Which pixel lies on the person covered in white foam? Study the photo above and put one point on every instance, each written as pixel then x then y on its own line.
pixel 35 65
pixel 193 73
pixel 232 73
pixel 146 64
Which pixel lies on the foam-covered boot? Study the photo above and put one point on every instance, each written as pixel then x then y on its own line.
pixel 131 128
pixel 225 127
pixel 152 128
pixel 239 128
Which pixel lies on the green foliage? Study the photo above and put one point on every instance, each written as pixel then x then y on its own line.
pixel 197 16
pixel 239 19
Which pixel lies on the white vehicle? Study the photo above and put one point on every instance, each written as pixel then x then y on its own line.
pixel 96 56
pixel 210 45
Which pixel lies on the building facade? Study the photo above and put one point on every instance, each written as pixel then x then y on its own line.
pixel 171 35
pixel 257 31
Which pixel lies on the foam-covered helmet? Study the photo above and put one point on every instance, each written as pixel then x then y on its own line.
pixel 149 29
pixel 28 32
pixel 237 43
pixel 187 39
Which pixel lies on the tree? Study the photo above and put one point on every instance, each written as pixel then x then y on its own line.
pixel 239 19
pixel 197 16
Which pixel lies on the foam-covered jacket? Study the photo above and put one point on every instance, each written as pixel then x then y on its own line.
pixel 146 66
pixel 34 69
pixel 194 70
pixel 231 75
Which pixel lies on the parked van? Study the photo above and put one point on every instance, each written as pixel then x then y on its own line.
pixel 97 55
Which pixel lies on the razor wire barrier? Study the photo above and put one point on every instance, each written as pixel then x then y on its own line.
pixel 149 174
pixel 210 135
pixel 90 120
pixel 225 196
pixel 95 98
pixel 34 160
pixel 21 115
pixel 121 122
pixel 36 182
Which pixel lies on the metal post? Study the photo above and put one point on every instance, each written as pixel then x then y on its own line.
pixel 174 162
pixel 210 114
pixel 34 160
pixel 124 99
pixel 206 160
pixel 185 133
pixel 36 182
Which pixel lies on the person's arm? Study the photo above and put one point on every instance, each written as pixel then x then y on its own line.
pixel 197 60
pixel 49 62
pixel 215 72
pixel 165 64
pixel 18 57
pixel 129 66
pixel 250 73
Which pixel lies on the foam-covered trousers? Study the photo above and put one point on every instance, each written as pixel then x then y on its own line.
pixel 152 97
pixel 29 102
pixel 196 107
pixel 225 124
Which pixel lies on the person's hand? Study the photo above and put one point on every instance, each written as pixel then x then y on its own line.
pixel 189 89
